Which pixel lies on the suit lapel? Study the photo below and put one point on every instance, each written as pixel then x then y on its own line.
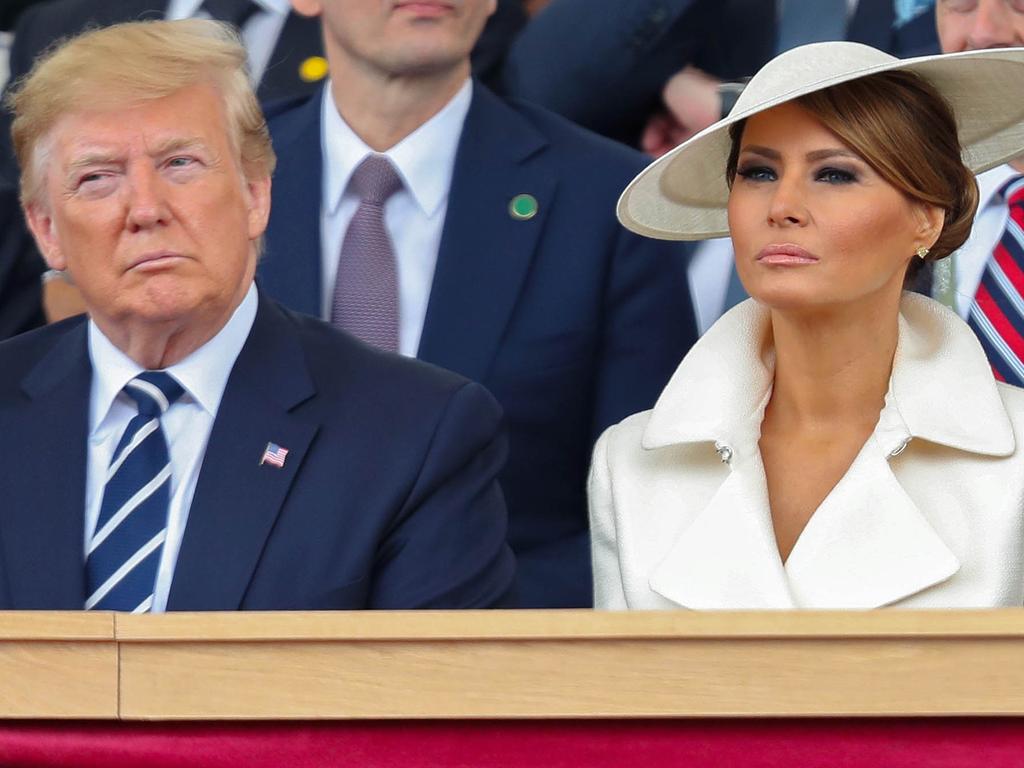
pixel 299 39
pixel 290 268
pixel 237 499
pixel 485 252
pixel 43 526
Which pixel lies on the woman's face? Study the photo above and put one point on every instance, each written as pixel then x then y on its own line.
pixel 812 223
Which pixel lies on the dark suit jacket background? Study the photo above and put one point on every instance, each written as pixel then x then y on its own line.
pixel 604 63
pixel 572 322
pixel 43 23
pixel 21 268
pixel 387 498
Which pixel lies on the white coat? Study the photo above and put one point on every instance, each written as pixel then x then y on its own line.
pixel 930 513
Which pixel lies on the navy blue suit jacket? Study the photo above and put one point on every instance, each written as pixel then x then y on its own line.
pixel 387 498
pixel 568 319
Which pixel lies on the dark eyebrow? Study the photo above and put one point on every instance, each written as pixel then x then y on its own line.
pixel 816 155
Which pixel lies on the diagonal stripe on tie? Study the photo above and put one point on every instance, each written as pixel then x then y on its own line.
pixel 122 455
pixel 997 313
pixel 129 506
pixel 126 568
pixel 124 552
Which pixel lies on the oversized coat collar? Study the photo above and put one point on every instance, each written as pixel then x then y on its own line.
pixel 868 544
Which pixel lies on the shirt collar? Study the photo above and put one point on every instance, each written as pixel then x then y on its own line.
pixel 941 388
pixel 186 9
pixel 425 159
pixel 991 181
pixel 203 374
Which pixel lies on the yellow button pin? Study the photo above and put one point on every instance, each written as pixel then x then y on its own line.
pixel 313 69
pixel 523 207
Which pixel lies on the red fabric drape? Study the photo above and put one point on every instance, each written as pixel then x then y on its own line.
pixel 935 743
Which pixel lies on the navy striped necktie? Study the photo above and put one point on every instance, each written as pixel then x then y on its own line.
pixel 997 314
pixel 124 552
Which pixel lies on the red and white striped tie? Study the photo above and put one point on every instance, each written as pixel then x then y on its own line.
pixel 997 314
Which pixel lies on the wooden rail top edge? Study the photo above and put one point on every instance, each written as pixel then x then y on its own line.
pixel 503 625
pixel 56 625
pixel 561 625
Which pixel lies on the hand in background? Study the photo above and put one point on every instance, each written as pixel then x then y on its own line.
pixel 692 103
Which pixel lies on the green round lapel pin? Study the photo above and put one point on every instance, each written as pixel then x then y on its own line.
pixel 523 207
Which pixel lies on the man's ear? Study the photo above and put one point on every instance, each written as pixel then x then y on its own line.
pixel 258 193
pixel 41 224
pixel 309 8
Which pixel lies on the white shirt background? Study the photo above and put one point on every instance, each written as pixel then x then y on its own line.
pixel 414 216
pixel 259 33
pixel 186 424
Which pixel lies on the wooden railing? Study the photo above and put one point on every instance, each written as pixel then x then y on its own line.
pixel 509 664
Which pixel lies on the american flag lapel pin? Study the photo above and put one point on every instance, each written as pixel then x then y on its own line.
pixel 274 455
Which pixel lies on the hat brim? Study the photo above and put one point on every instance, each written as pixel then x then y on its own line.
pixel 683 195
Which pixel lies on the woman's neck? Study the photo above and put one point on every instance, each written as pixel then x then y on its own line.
pixel 833 364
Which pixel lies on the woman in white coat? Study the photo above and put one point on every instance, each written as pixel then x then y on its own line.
pixel 835 442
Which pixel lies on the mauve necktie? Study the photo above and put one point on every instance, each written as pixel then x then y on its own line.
pixel 997 314
pixel 124 551
pixel 366 289
pixel 235 12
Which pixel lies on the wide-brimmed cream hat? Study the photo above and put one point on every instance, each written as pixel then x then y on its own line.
pixel 683 195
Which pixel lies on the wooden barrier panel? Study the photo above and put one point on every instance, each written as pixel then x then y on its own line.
pixel 58 665
pixel 514 664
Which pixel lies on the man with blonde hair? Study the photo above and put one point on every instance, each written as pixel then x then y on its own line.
pixel 202 447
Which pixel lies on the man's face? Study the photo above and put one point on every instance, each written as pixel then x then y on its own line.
pixel 400 37
pixel 148 210
pixel 968 25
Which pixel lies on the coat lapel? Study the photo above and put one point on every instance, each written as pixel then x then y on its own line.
pixel 867 544
pixel 290 267
pixel 727 557
pixel 485 252
pixel 237 499
pixel 43 525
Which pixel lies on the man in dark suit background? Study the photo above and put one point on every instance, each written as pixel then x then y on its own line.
pixel 285 50
pixel 21 306
pixel 611 65
pixel 204 448
pixel 482 239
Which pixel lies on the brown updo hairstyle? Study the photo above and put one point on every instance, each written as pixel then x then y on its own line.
pixel 905 130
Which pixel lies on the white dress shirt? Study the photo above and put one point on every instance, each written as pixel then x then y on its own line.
pixel 967 265
pixel 414 216
pixel 186 424
pixel 260 32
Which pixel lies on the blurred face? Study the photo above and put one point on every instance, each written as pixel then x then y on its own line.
pixel 812 224
pixel 968 25
pixel 148 210
pixel 400 37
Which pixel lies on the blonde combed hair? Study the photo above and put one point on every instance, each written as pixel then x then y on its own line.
pixel 134 63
